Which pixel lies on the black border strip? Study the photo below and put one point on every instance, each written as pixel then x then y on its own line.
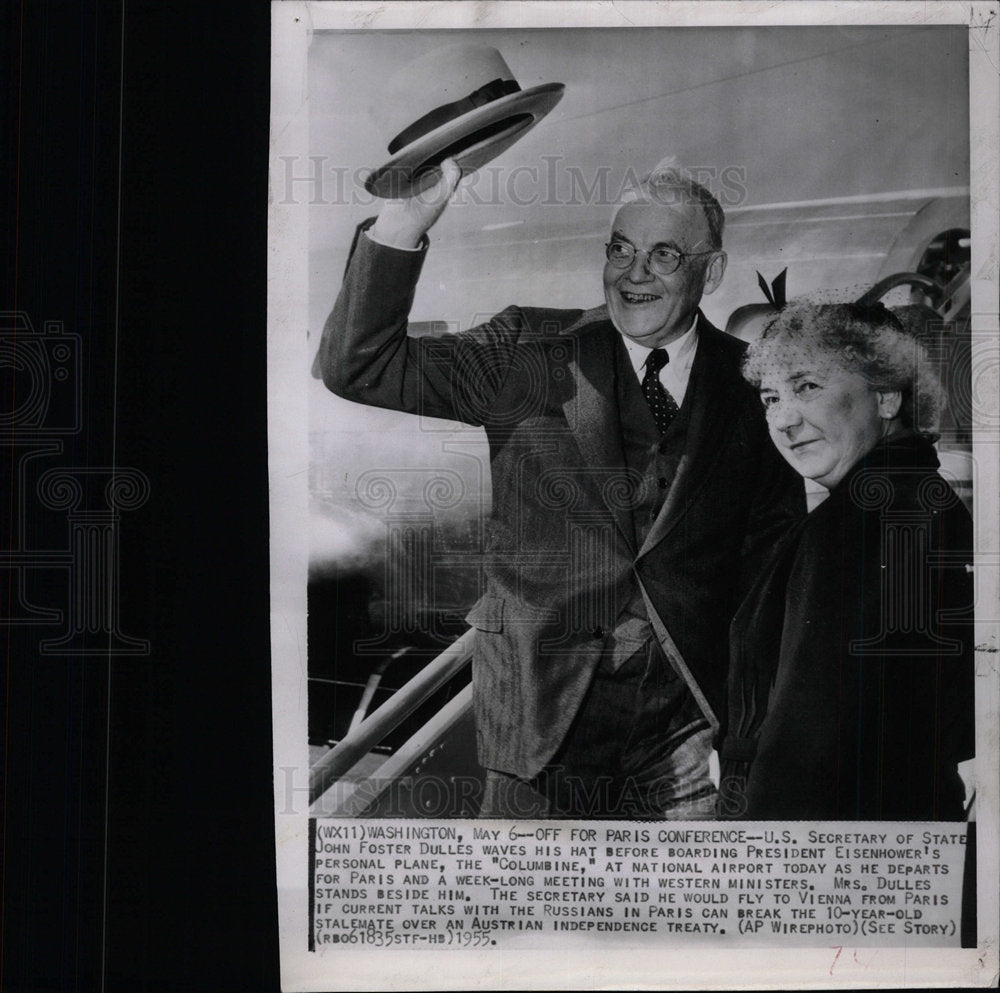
pixel 312 883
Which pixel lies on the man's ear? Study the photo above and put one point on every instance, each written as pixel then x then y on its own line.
pixel 889 404
pixel 714 272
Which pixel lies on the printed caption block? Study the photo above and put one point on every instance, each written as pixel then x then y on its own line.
pixel 498 884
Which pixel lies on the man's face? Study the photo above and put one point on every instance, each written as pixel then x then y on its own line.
pixel 649 308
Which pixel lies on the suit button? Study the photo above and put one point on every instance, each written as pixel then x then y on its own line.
pixel 662 482
pixel 598 632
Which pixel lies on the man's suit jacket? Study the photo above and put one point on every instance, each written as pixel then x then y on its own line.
pixel 561 559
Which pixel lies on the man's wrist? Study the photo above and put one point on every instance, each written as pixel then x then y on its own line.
pixel 395 237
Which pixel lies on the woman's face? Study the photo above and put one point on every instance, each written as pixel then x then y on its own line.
pixel 822 417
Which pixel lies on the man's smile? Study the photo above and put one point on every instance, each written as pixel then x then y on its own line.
pixel 630 297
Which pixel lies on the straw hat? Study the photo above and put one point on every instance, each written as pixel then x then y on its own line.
pixel 461 102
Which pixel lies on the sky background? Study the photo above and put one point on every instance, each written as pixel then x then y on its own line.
pixel 821 142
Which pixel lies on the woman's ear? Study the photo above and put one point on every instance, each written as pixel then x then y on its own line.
pixel 889 404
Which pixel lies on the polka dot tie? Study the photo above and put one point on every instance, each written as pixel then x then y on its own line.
pixel 661 403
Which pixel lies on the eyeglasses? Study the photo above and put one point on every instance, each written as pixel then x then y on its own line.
pixel 662 261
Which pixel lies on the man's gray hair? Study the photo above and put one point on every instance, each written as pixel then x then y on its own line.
pixel 670 185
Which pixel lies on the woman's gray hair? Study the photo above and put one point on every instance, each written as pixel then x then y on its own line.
pixel 867 339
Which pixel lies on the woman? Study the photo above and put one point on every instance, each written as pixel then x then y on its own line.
pixel 851 680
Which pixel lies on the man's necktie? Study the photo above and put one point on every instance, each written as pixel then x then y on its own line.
pixel 661 403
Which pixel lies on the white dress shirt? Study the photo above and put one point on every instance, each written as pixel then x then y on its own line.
pixel 677 372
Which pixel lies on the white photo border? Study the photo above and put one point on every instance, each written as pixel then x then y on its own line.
pixel 289 358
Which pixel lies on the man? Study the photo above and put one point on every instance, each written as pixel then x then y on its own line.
pixel 634 486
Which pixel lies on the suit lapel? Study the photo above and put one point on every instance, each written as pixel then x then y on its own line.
pixel 591 410
pixel 712 391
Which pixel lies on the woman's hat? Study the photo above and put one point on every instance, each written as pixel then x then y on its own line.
pixel 749 321
pixel 458 102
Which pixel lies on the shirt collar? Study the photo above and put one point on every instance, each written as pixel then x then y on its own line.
pixel 680 351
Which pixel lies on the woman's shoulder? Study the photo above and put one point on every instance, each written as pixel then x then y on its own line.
pixel 901 477
pixel 896 475
pixel 896 488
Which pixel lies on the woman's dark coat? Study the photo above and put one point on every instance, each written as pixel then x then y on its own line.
pixel 851 682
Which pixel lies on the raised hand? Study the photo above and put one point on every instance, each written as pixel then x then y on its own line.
pixel 404 222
